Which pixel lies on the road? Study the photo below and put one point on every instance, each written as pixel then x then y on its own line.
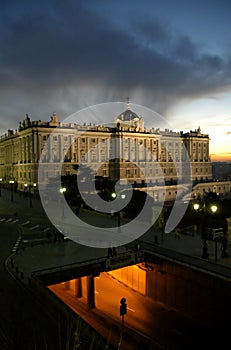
pixel 24 324
pixel 158 324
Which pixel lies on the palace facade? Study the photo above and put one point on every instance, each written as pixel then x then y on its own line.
pixel 126 150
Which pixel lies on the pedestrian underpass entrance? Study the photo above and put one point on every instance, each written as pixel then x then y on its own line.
pixel 85 288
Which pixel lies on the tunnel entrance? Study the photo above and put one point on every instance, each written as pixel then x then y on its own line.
pixel 85 288
pixel 160 298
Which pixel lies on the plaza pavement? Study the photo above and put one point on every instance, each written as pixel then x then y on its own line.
pixel 43 248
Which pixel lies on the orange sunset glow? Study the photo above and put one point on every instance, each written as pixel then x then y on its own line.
pixel 221 157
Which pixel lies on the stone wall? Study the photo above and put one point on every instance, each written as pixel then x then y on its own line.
pixel 202 296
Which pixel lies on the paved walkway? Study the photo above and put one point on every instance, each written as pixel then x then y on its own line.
pixel 44 250
pixel 189 244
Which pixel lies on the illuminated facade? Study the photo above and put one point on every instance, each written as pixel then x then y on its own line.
pixel 145 155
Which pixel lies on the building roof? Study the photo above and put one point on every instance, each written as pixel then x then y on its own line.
pixel 128 114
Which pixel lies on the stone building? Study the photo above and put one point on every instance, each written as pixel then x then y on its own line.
pixel 126 150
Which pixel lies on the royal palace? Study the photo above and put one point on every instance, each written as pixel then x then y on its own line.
pixel 125 150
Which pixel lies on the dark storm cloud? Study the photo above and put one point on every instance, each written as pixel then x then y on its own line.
pixel 50 49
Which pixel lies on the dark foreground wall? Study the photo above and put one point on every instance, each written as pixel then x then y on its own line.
pixel 198 294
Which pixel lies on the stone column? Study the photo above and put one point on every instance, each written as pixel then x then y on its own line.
pixel 78 287
pixel 90 292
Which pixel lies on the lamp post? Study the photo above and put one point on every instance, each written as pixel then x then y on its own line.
pixel 30 197
pixel 62 190
pixel 122 196
pixel 25 189
pixel 196 206
pixel 213 209
pixel 200 208
pixel 35 188
pixel 0 186
pixel 123 311
pixel 11 189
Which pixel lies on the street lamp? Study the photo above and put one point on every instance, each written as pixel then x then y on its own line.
pixel 123 311
pixel 30 197
pixel 26 190
pixel 196 206
pixel 113 195
pixel 212 208
pixel 200 208
pixel 35 190
pixel 62 190
pixel 122 196
pixel 11 189
pixel 0 186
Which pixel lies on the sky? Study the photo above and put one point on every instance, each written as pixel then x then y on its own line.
pixel 173 57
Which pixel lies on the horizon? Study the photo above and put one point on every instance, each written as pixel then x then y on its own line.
pixel 216 158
